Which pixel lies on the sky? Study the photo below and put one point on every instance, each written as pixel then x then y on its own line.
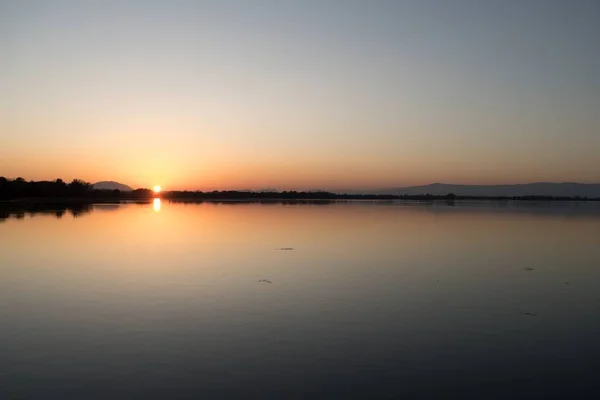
pixel 305 94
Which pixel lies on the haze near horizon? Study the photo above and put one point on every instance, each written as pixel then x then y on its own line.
pixel 300 95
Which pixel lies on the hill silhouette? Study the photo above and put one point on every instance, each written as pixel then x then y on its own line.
pixel 565 189
pixel 112 185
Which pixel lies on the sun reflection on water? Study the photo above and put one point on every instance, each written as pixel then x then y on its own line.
pixel 156 205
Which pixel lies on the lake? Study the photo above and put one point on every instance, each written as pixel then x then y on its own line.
pixel 355 300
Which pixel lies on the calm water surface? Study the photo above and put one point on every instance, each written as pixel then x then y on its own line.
pixel 301 301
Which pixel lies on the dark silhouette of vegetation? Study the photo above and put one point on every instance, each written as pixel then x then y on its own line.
pixel 328 196
pixel 11 189
pixel 22 190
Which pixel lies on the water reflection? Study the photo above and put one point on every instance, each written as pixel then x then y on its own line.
pixel 559 209
pixel 19 211
pixel 369 300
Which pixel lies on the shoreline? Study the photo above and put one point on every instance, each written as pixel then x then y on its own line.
pixel 258 198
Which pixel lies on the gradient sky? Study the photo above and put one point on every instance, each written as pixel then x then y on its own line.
pixel 300 94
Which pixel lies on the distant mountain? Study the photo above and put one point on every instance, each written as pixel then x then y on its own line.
pixel 566 189
pixel 110 185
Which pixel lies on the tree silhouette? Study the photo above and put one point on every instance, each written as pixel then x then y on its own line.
pixel 20 188
pixel 77 189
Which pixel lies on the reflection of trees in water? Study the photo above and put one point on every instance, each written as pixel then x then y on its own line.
pixel 18 211
pixel 78 210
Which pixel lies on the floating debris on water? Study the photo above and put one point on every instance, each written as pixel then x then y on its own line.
pixel 528 269
pixel 531 314
pixel 265 281
pixel 284 248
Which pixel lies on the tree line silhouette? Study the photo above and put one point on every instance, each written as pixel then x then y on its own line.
pixel 322 195
pixel 19 188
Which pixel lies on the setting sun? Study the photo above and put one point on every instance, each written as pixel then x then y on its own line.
pixel 156 189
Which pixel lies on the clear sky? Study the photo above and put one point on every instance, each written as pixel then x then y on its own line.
pixel 307 94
